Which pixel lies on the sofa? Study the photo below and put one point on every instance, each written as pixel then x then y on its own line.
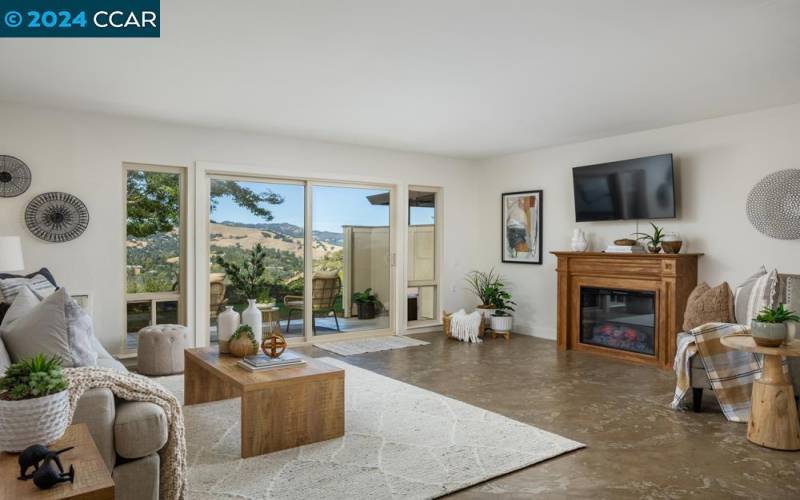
pixel 127 434
pixel 698 378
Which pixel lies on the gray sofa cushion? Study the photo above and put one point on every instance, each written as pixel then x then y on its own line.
pixel 56 326
pixel 139 429
pixel 137 480
pixel 97 409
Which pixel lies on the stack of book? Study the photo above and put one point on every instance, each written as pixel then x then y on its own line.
pixel 624 249
pixel 262 362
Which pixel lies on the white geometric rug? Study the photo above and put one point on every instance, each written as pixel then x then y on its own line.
pixel 400 442
pixel 360 346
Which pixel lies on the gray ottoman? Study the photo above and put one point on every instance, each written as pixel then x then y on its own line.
pixel 160 349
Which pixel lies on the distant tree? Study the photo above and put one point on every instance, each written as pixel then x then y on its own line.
pixel 154 200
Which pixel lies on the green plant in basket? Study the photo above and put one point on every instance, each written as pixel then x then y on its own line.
pixel 33 378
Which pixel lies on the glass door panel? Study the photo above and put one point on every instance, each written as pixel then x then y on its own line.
pixel 423 287
pixel 352 282
pixel 248 215
pixel 154 247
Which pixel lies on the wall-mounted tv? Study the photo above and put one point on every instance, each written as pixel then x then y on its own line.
pixel 642 188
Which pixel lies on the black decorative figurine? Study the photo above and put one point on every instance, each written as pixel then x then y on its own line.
pixel 40 457
pixel 46 476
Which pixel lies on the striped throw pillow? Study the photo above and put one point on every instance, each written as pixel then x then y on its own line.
pixel 10 287
pixel 757 292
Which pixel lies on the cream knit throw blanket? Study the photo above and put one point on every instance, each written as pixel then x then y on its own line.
pixel 465 327
pixel 132 387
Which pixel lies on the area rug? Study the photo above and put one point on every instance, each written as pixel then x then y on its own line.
pixel 400 442
pixel 360 346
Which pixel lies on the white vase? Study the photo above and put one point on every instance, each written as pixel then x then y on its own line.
pixel 579 243
pixel 252 317
pixel 227 323
pixel 502 324
pixel 33 421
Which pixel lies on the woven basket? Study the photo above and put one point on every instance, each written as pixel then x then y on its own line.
pixel 446 324
pixel 33 421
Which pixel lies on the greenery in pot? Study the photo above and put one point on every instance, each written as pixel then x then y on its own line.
pixel 367 303
pixel 653 241
pixel 250 278
pixel 769 327
pixel 33 378
pixel 502 300
pixel 238 338
pixel 484 285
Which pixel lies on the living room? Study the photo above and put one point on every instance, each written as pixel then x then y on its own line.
pixel 423 163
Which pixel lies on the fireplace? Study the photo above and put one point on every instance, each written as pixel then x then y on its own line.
pixel 625 306
pixel 618 319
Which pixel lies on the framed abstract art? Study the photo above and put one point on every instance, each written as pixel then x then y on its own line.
pixel 522 227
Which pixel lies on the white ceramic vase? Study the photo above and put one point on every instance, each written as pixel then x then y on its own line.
pixel 227 323
pixel 502 324
pixel 579 243
pixel 252 317
pixel 33 421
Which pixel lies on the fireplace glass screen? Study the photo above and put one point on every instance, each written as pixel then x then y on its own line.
pixel 619 319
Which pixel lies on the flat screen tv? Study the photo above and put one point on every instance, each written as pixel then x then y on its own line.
pixel 642 188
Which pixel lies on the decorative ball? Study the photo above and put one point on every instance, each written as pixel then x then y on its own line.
pixel 274 345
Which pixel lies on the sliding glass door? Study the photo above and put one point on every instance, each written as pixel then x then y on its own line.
pixel 422 291
pixel 352 283
pixel 257 251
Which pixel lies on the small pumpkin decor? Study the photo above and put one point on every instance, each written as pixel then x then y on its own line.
pixel 243 342
pixel 274 345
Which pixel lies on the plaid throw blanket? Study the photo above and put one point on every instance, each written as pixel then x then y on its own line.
pixel 731 372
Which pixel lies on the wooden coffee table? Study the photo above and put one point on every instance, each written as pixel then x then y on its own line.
pixel 92 479
pixel 281 408
pixel 773 419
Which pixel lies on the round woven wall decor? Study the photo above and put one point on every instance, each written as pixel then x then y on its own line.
pixel 773 206
pixel 15 176
pixel 56 217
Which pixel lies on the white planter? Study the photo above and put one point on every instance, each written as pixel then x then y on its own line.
pixel 227 323
pixel 252 317
pixel 502 323
pixel 33 421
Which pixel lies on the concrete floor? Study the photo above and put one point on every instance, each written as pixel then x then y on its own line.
pixel 637 447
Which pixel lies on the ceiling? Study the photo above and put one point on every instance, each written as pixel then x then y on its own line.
pixel 463 78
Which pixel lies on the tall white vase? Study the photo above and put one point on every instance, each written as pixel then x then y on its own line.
pixel 252 317
pixel 227 323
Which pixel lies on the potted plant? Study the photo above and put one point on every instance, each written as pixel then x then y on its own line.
pixel 482 285
pixel 652 241
pixel 34 403
pixel 769 327
pixel 243 342
pixel 249 280
pixel 501 320
pixel 367 303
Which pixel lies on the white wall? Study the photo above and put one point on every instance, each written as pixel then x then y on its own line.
pixel 83 153
pixel 718 162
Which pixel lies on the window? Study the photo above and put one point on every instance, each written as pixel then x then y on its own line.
pixel 155 248
pixel 422 290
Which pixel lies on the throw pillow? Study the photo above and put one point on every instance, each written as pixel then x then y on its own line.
pixel 708 305
pixel 56 326
pixel 757 292
pixel 43 271
pixel 789 291
pixel 24 303
pixel 10 287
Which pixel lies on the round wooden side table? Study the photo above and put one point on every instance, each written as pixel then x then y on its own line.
pixel 270 316
pixel 773 411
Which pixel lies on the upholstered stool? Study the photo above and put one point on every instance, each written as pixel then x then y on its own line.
pixel 160 349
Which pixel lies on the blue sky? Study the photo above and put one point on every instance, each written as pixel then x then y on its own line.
pixel 333 207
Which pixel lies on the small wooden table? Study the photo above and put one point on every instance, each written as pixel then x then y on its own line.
pixel 270 318
pixel 773 412
pixel 92 479
pixel 281 408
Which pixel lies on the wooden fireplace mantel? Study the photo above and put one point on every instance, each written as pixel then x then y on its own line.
pixel 671 276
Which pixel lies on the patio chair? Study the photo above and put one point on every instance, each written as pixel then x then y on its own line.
pixel 325 288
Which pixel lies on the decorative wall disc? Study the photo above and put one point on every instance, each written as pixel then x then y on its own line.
pixel 15 176
pixel 773 206
pixel 56 217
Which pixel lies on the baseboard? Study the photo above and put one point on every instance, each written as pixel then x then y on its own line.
pixel 541 332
